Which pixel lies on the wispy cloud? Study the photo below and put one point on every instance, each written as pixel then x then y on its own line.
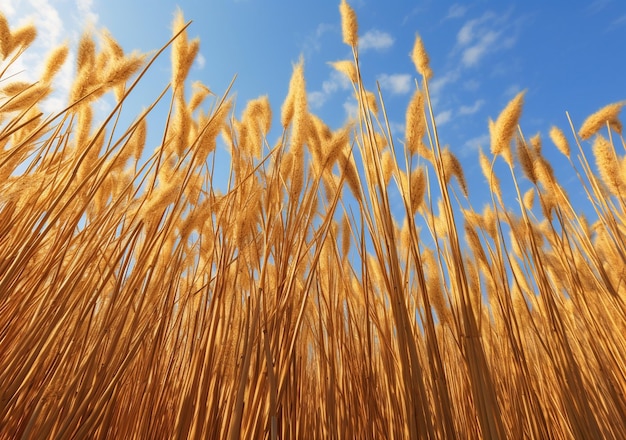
pixel 86 11
pixel 397 84
pixel 619 21
pixel 9 8
pixel 473 54
pixel 472 145
pixel 457 10
pixel 376 40
pixel 598 5
pixel 481 36
pixel 443 117
pixel 512 90
pixel 335 82
pixel 316 98
pixel 471 109
pixel 397 128
pixel 200 61
pixel 351 108
pixel 54 26
pixel 471 84
pixel 313 42
pixel 468 32
pixel 439 83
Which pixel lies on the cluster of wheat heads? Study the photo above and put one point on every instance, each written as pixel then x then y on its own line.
pixel 141 299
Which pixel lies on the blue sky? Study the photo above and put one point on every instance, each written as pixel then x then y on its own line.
pixel 569 56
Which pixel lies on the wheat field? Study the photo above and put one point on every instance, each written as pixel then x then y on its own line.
pixel 140 298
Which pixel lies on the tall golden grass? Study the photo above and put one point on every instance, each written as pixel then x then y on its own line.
pixel 141 299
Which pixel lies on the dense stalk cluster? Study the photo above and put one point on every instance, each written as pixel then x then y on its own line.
pixel 140 298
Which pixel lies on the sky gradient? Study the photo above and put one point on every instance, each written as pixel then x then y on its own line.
pixel 567 58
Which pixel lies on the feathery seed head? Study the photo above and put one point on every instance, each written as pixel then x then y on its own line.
pixel 86 55
pixel 23 37
pixel 200 93
pixel 138 139
pixel 181 52
pixel 526 158
pixel 370 102
pixel 535 141
pixel 111 46
pixel 350 173
pixel 296 87
pixel 453 168
pixel 608 114
pixel 348 68
pixel 504 128
pixel 544 172
pixel 349 24
pixel 346 236
pixel 336 145
pixel 54 62
pixel 608 165
pixel 26 98
pixel 492 179
pixel 15 88
pixel 417 189
pixel 387 164
pixel 5 37
pixel 120 71
pixel 415 123
pixel 558 137
pixel 529 199
pixel 419 56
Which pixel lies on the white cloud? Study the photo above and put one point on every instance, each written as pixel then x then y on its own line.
pixel 598 5
pixel 443 117
pixel 473 54
pixel 471 109
pixel 336 81
pixel 316 99
pixel 376 40
pixel 200 61
pixel 313 41
pixel 512 90
pixel 471 85
pixel 351 107
pixel 481 36
pixel 397 84
pixel 55 25
pixel 397 128
pixel 477 142
pixel 86 12
pixel 619 21
pixel 437 85
pixel 456 11
pixel 8 9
